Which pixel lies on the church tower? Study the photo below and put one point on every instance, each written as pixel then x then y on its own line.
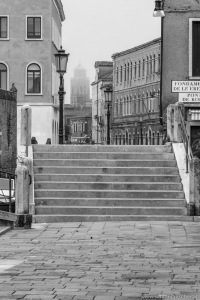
pixel 80 88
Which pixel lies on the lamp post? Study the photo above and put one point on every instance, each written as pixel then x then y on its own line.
pixel 159 12
pixel 108 101
pixel 61 67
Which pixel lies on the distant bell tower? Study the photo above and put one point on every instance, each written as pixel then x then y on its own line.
pixel 80 88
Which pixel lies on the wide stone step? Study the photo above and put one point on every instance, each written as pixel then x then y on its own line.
pixel 110 202
pixel 104 163
pixel 109 194
pixel 104 155
pixel 102 148
pixel 82 210
pixel 103 170
pixel 111 218
pixel 106 178
pixel 107 186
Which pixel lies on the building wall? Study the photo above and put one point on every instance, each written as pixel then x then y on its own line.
pixel 8 131
pixel 136 96
pixel 176 50
pixel 18 53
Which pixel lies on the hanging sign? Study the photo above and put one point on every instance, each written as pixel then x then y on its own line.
pixel 189 86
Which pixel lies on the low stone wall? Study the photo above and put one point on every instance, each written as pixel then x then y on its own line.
pixel 8 131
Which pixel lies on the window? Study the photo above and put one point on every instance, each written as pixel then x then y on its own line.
pixel 33 79
pixel 3 76
pixel 117 75
pixel 125 73
pixel 139 69
pixel 131 70
pixel 121 74
pixel 150 62
pixel 154 63
pixel 194 47
pixel 143 67
pixel 128 72
pixel 34 28
pixel 159 63
pixel 3 27
pixel 135 70
pixel 147 65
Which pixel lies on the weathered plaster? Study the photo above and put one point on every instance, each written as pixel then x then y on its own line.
pixel 179 152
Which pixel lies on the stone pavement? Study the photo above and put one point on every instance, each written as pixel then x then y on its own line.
pixel 101 261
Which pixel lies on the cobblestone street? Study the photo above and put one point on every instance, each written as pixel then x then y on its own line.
pixel 101 261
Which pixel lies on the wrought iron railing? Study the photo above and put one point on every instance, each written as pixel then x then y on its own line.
pixel 7 186
pixel 185 139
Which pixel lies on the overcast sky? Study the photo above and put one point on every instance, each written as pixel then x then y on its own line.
pixel 96 29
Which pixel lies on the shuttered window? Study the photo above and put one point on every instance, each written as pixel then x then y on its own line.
pixel 196 48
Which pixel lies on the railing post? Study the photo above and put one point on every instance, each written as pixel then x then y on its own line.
pixel 26 114
pixel 24 219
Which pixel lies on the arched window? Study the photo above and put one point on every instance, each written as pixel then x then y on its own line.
pixel 33 79
pixel 125 72
pixel 116 105
pixel 117 75
pixel 135 104
pixel 3 76
pixel 124 107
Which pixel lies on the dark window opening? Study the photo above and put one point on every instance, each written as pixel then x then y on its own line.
pixel 34 28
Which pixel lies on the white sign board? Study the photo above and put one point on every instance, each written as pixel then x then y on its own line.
pixel 186 86
pixel 189 97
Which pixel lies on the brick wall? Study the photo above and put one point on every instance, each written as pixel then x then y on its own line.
pixel 8 131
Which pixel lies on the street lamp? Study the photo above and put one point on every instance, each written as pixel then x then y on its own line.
pixel 61 67
pixel 108 101
pixel 159 12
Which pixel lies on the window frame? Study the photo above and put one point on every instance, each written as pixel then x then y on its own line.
pixel 191 20
pixel 26 86
pixel 8 28
pixel 7 73
pixel 41 28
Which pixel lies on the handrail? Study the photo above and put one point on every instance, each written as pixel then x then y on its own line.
pixel 185 139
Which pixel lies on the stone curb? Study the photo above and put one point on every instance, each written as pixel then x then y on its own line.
pixel 4 230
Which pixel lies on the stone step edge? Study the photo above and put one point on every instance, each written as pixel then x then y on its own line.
pixel 112 199
pixel 101 167
pixel 116 191
pixel 95 159
pixel 111 182
pixel 100 218
pixel 110 175
pixel 111 207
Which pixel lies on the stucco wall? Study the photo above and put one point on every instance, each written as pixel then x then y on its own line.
pixel 176 44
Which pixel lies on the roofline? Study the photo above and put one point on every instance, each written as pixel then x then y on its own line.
pixel 142 46
pixel 103 63
pixel 59 6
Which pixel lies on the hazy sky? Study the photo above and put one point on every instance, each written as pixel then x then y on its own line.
pixel 96 29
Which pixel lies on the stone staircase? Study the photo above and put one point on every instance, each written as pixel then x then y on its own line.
pixel 75 183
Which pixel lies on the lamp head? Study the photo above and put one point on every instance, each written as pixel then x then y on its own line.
pixel 159 9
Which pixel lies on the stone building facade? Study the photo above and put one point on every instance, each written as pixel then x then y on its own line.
pixel 8 131
pixel 80 88
pixel 103 78
pixel 30 35
pixel 136 95
pixel 77 122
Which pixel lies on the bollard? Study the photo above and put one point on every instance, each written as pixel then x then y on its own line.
pixel 22 195
pixel 170 122
pixel 26 116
